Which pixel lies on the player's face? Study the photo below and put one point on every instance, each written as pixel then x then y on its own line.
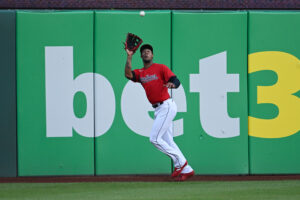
pixel 147 55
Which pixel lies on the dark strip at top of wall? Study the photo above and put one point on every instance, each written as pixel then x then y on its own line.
pixel 150 4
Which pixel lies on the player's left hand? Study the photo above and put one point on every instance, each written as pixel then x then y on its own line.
pixel 169 85
pixel 132 42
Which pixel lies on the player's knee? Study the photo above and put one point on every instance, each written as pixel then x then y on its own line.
pixel 153 140
pixel 156 141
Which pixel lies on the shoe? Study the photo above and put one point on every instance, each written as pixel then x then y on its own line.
pixel 177 171
pixel 183 177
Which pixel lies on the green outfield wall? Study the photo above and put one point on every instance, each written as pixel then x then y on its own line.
pixel 53 50
pixel 123 146
pixel 274 92
pixel 77 114
pixel 8 128
pixel 209 55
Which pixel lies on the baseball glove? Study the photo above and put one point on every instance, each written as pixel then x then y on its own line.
pixel 132 42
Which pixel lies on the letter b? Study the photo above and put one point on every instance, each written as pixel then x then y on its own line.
pixel 60 90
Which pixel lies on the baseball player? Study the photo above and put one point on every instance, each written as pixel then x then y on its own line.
pixel 156 79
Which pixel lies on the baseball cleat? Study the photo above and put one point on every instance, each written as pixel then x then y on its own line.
pixel 183 177
pixel 177 171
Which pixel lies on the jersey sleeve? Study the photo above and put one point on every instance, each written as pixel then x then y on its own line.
pixel 167 73
pixel 136 77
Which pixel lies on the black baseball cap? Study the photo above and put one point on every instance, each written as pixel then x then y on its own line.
pixel 146 46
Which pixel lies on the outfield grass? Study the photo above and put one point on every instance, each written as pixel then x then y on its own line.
pixel 244 190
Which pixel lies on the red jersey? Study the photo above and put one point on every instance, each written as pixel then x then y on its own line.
pixel 153 80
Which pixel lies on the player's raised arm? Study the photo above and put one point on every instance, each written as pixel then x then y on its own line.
pixel 128 71
pixel 132 43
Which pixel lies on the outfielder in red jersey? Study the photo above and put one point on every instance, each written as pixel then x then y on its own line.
pixel 153 80
pixel 156 79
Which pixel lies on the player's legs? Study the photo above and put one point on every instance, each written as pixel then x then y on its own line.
pixel 168 137
pixel 164 116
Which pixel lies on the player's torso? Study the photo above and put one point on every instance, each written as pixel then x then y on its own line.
pixel 153 81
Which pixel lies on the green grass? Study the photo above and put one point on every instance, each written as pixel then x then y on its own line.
pixel 244 190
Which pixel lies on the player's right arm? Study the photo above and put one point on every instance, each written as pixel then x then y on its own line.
pixel 128 70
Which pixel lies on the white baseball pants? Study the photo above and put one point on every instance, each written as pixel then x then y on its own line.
pixel 161 135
